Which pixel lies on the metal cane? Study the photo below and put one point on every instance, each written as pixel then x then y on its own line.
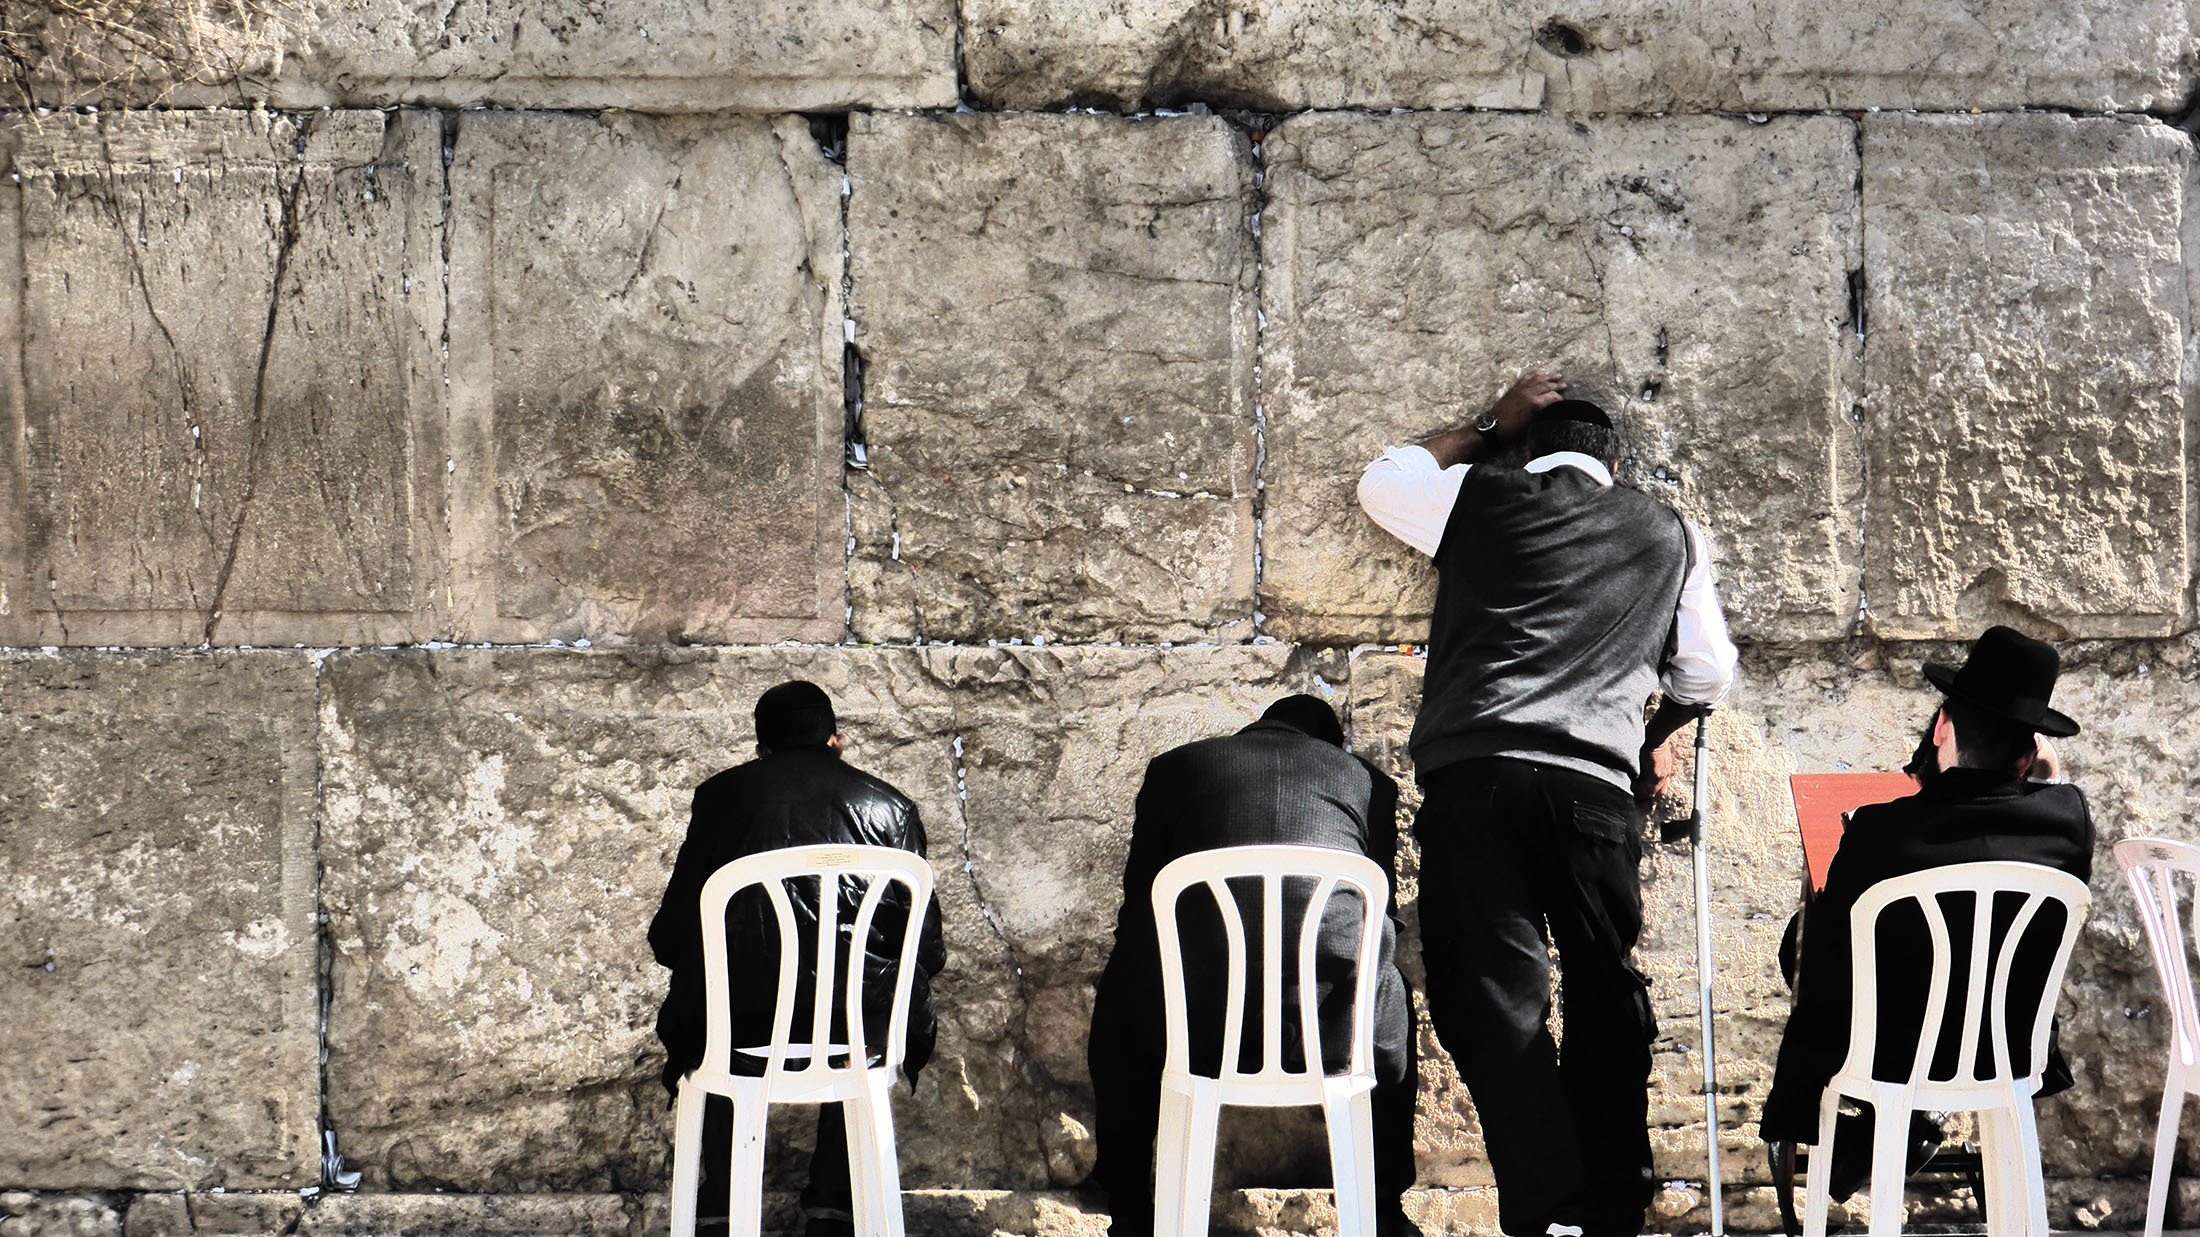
pixel 1692 830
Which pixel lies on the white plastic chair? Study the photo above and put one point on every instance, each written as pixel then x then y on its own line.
pixel 2009 1142
pixel 1191 1104
pixel 857 1084
pixel 2152 865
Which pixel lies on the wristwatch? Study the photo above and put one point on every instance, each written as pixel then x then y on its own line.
pixel 1486 423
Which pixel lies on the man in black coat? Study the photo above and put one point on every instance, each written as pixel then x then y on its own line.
pixel 797 792
pixel 1978 801
pixel 1286 779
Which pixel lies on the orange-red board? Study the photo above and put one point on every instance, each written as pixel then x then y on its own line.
pixel 1822 799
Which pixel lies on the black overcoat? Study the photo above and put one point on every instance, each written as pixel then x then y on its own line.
pixel 1962 816
pixel 1268 784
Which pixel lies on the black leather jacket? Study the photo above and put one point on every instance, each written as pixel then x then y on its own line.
pixel 798 797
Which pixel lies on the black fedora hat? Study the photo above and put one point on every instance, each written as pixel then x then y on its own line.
pixel 2010 675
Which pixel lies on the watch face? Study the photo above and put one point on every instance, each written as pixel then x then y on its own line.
pixel 1485 423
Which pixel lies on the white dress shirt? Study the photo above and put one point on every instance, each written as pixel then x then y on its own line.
pixel 1411 497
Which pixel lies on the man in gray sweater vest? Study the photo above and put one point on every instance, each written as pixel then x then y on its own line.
pixel 1563 603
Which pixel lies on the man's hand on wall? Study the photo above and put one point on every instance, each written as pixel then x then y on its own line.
pixel 1530 394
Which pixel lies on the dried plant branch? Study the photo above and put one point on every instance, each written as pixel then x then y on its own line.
pixel 136 50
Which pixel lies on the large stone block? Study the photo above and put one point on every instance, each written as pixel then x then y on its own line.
pixel 1600 56
pixel 228 424
pixel 2025 425
pixel 646 389
pixel 1054 746
pixel 37 1215
pixel 1057 315
pixel 158 870
pixel 499 827
pixel 710 56
pixel 1690 272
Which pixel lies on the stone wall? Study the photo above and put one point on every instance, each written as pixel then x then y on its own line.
pixel 417 453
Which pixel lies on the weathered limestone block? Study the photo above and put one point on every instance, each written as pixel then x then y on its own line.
pixel 2134 764
pixel 459 1215
pixel 1695 268
pixel 708 56
pixel 213 1215
pixel 1054 746
pixel 1057 314
pixel 228 422
pixel 158 869
pixel 1601 56
pixel 44 1215
pixel 499 827
pixel 645 354
pixel 2025 425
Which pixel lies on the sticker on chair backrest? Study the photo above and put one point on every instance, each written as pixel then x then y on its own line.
pixel 834 858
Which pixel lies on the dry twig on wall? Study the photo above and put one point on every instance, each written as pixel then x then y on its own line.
pixel 64 51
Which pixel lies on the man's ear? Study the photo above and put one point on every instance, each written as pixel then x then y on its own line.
pixel 838 743
pixel 1943 729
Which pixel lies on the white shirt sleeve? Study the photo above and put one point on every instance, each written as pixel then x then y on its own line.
pixel 1410 496
pixel 1704 659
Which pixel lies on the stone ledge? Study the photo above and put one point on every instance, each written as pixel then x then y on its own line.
pixel 2115 1206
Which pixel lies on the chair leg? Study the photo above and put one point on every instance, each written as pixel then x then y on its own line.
pixel 1351 1119
pixel 1890 1154
pixel 2029 1174
pixel 875 1161
pixel 1184 1169
pixel 1817 1189
pixel 2001 1167
pixel 855 1117
pixel 2165 1150
pixel 745 1212
pixel 687 1157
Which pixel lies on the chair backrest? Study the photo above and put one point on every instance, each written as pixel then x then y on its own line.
pixel 1985 885
pixel 1271 866
pixel 878 866
pixel 2153 866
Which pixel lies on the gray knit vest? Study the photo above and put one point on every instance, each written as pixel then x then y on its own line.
pixel 1555 603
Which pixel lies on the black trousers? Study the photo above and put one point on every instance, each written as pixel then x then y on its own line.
pixel 1126 1083
pixel 827 1194
pixel 1514 857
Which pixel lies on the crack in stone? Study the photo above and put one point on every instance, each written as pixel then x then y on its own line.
pixel 1604 302
pixel 133 246
pixel 649 238
pixel 1021 1058
pixel 916 584
pixel 287 240
pixel 1859 407
pixel 1259 153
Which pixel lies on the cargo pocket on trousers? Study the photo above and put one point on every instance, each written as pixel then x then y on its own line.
pixel 1639 1003
pixel 1606 853
pixel 1612 825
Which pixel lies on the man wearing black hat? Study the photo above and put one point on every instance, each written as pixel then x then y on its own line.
pixel 797 792
pixel 1563 604
pixel 1982 797
pixel 1286 779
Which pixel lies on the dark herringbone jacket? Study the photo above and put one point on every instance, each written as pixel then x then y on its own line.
pixel 1268 784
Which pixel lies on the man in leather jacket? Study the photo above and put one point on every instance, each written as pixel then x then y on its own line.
pixel 797 792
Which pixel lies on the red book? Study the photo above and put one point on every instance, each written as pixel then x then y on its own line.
pixel 1823 802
